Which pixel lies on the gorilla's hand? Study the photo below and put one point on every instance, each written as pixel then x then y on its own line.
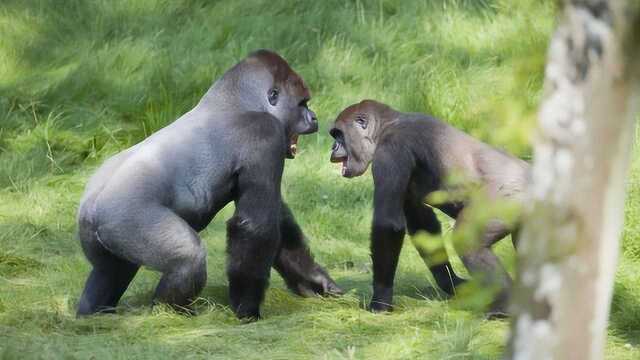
pixel 317 282
pixel 381 300
pixel 303 275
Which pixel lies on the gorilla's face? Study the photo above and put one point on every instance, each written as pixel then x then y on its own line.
pixel 288 101
pixel 354 145
pixel 264 82
pixel 283 94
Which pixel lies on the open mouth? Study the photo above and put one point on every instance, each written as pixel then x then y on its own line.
pixel 293 146
pixel 342 160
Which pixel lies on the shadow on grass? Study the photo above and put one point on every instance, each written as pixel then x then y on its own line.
pixel 625 314
pixel 217 294
pixel 142 301
pixel 359 285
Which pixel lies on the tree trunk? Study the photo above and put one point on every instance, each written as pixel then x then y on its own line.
pixel 570 240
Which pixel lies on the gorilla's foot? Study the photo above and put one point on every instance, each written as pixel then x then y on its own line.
pixel 499 309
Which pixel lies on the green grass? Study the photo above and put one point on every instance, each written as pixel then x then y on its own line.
pixel 81 80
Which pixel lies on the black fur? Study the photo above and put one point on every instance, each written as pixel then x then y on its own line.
pixel 405 169
pixel 411 156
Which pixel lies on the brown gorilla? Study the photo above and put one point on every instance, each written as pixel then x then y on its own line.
pixel 412 155
pixel 146 205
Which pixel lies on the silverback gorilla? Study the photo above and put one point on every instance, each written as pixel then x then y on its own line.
pixel 146 205
pixel 412 155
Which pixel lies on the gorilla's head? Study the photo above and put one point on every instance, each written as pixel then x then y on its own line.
pixel 265 82
pixel 355 132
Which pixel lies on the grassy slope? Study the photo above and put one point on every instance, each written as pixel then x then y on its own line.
pixel 80 80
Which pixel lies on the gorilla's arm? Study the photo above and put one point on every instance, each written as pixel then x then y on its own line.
pixel 391 173
pixel 254 229
pixel 295 262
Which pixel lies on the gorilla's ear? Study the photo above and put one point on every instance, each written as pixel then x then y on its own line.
pixel 272 96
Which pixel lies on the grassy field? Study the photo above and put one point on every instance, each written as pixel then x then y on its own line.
pixel 81 80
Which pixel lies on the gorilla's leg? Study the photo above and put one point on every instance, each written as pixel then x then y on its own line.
pixel 181 284
pixel 107 281
pixel 295 262
pixel 180 254
pixel 421 217
pixel 104 287
pixel 158 238
pixel 484 265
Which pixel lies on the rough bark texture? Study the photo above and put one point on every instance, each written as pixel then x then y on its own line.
pixel 570 242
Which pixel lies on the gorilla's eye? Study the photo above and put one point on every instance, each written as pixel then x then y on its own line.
pixel 362 121
pixel 273 96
